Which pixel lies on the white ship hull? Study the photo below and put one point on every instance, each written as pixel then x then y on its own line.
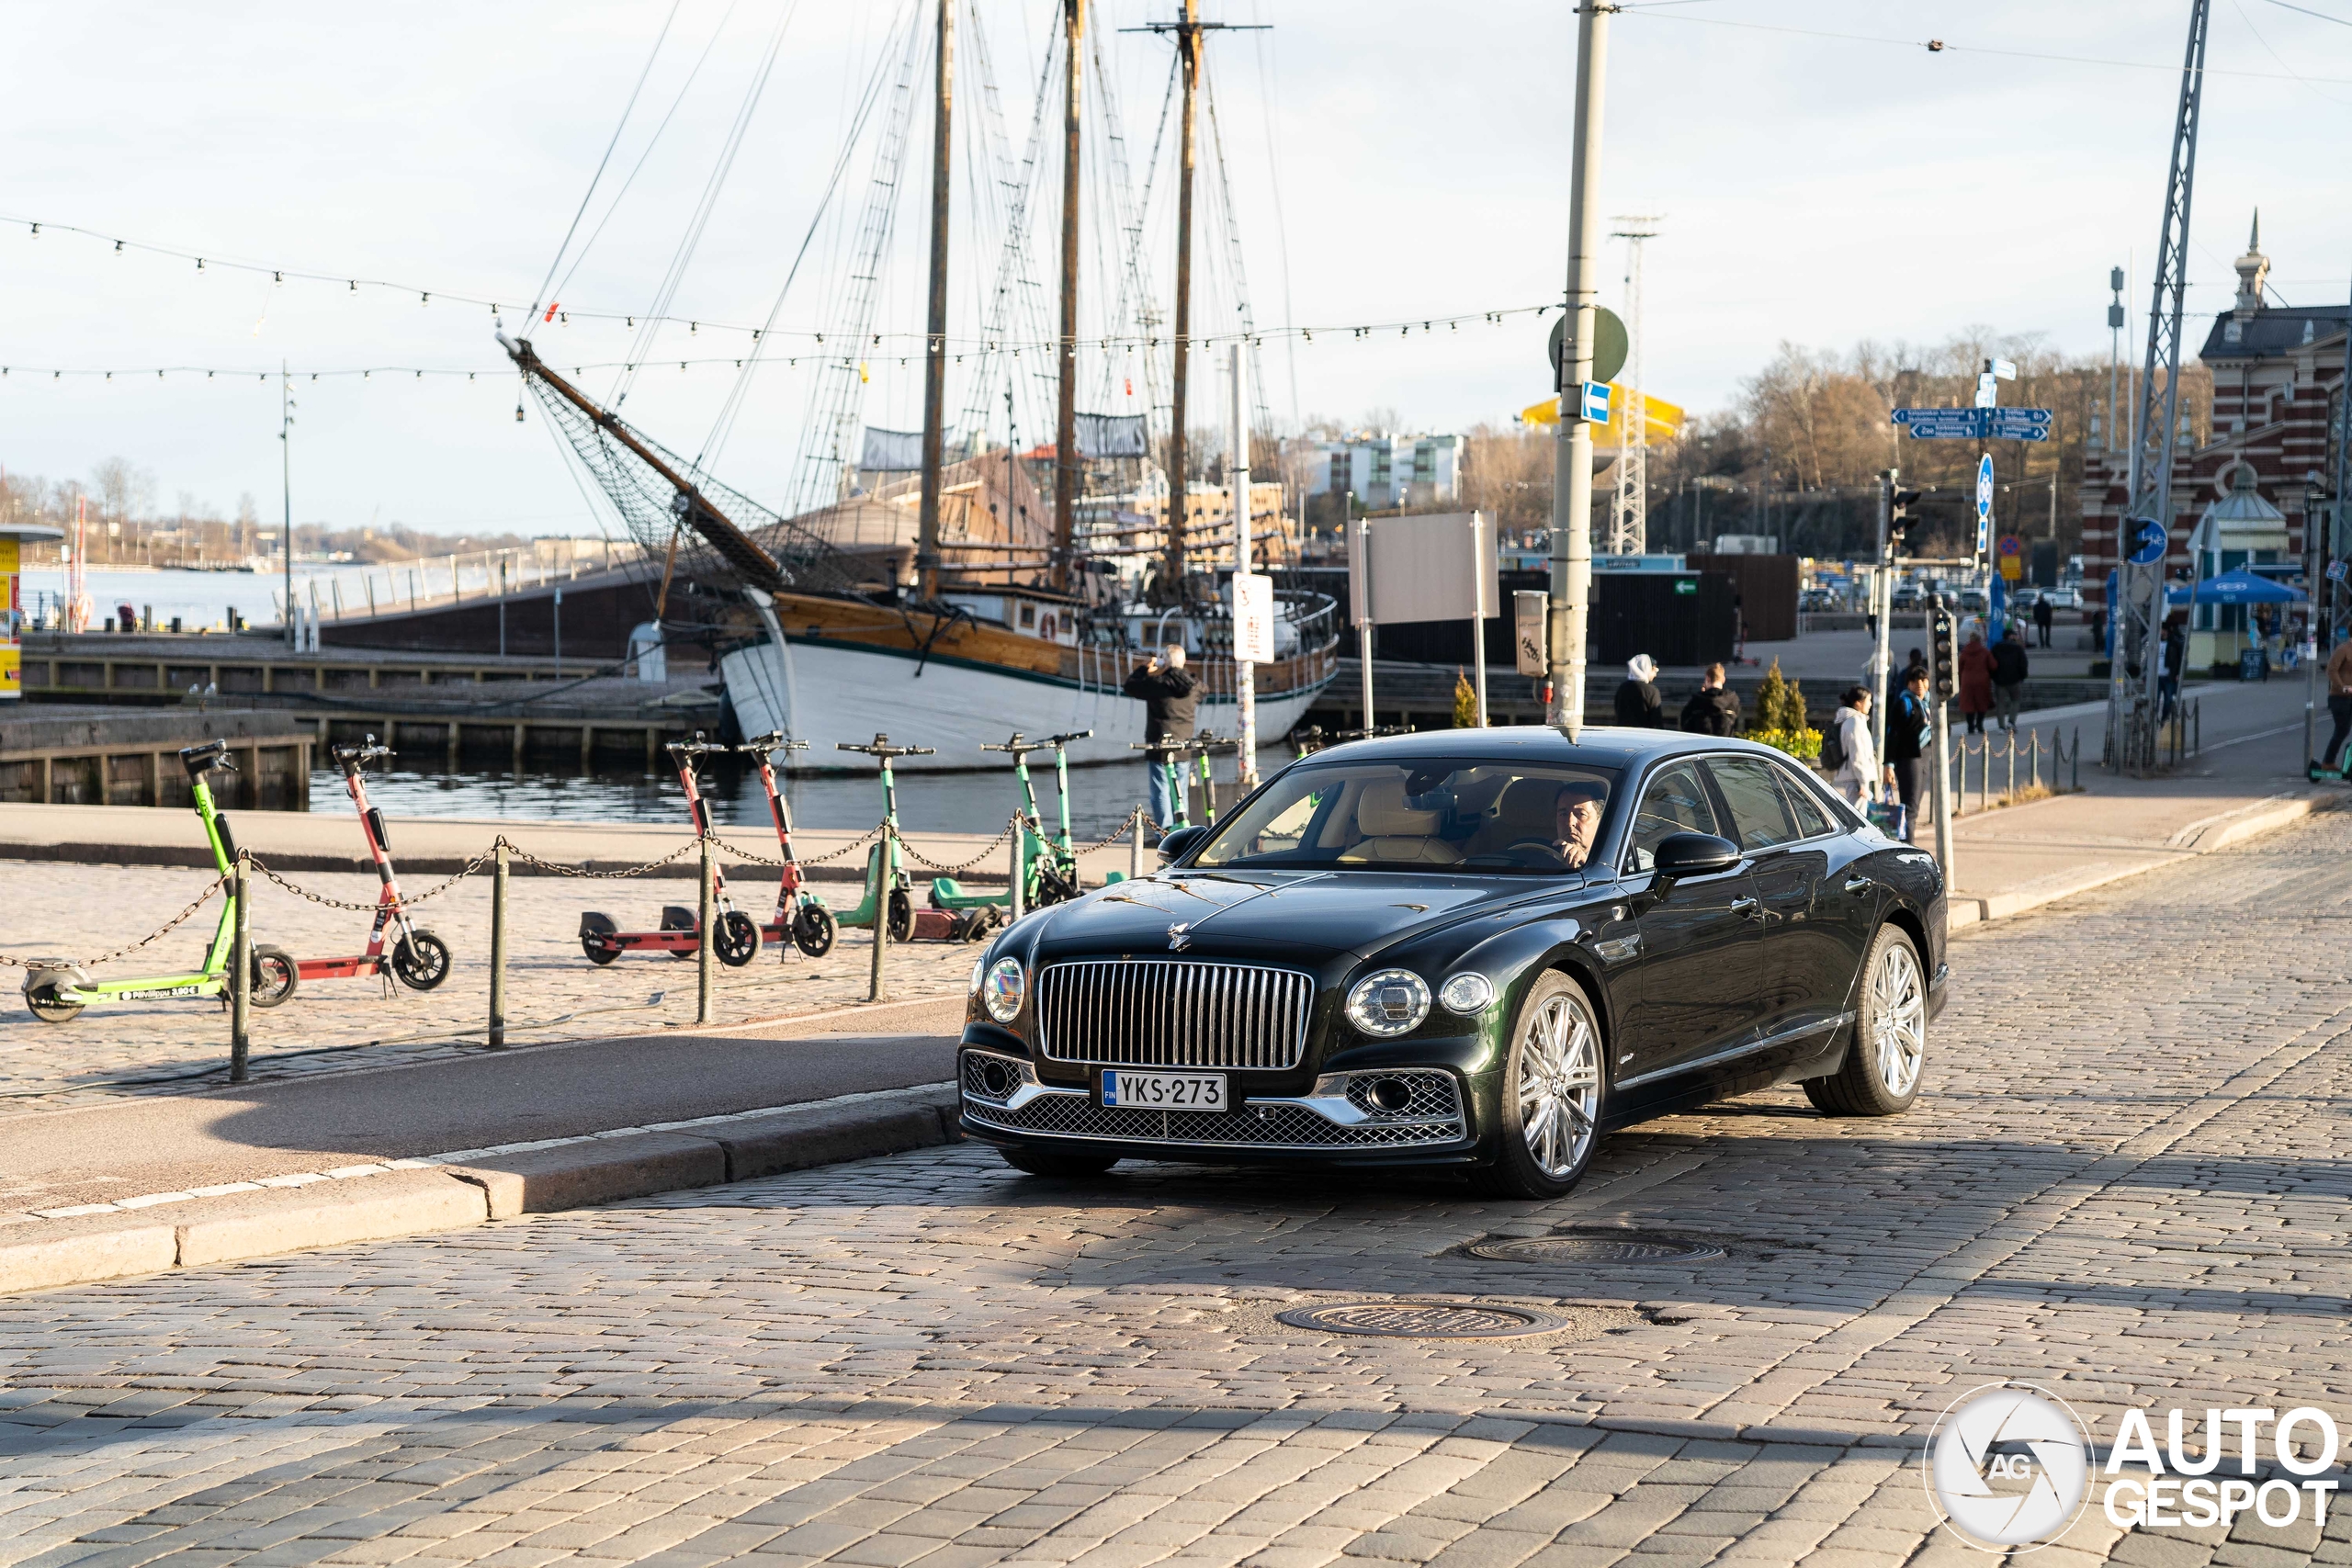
pixel 827 691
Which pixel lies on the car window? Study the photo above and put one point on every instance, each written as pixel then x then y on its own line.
pixel 1812 822
pixel 1759 816
pixel 1416 814
pixel 1675 802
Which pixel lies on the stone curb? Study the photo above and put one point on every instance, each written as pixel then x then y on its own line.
pixel 2236 828
pixel 444 1198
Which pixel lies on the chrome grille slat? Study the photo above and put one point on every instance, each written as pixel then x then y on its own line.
pixel 1173 1014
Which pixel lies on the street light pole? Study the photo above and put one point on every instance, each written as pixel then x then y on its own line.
pixel 1571 583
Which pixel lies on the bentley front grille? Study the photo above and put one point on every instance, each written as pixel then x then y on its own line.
pixel 1172 1013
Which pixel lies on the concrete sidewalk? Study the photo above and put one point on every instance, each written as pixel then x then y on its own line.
pixel 100 1191
pixel 2248 779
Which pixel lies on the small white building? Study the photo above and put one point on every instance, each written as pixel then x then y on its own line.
pixel 1389 470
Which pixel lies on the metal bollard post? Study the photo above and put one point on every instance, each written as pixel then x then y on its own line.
pixel 1134 847
pixel 877 986
pixel 2012 786
pixel 705 954
pixel 498 945
pixel 240 971
pixel 1015 907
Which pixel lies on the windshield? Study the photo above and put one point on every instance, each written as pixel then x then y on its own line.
pixel 1419 814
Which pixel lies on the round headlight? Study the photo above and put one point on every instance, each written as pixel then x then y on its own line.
pixel 1003 990
pixel 1393 1001
pixel 1467 992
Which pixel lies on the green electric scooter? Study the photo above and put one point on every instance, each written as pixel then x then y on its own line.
pixel 1048 865
pixel 56 993
pixel 886 883
pixel 1201 748
pixel 1164 755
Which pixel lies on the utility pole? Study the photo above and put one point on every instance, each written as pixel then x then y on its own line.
pixel 1068 469
pixel 1236 468
pixel 1188 51
pixel 1882 608
pixel 1571 582
pixel 934 364
pixel 2137 618
pixel 2114 347
pixel 1630 520
pixel 286 483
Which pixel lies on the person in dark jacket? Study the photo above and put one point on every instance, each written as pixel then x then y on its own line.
pixel 1172 706
pixel 1639 706
pixel 2009 675
pixel 2045 616
pixel 1976 683
pixel 1712 709
pixel 1908 717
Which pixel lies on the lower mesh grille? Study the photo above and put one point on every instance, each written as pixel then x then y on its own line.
pixel 1434 1118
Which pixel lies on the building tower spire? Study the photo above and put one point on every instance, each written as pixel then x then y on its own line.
pixel 2252 268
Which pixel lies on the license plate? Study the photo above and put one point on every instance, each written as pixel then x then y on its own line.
pixel 1165 1091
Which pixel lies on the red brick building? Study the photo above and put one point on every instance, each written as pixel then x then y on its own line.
pixel 2277 385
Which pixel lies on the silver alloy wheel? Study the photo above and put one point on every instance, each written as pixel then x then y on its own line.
pixel 1559 1086
pixel 1899 1017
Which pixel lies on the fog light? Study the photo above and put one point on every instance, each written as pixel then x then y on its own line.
pixel 1390 1095
pixel 996 1078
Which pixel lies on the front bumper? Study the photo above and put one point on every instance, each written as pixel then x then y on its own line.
pixel 1004 1103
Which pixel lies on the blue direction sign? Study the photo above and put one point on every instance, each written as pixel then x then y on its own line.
pixel 2018 424
pixel 1984 502
pixel 2148 542
pixel 1975 425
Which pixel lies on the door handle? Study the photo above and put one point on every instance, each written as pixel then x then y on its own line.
pixel 1742 905
pixel 1858 885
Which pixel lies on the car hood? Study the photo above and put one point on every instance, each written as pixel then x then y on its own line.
pixel 1356 912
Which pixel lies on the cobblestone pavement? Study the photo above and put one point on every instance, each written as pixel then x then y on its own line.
pixel 553 992
pixel 2127 1182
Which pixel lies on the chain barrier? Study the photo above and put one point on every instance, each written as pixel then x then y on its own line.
pixel 527 858
pixel 758 859
pixel 435 891
pixel 993 845
pixel 1116 834
pixel 201 899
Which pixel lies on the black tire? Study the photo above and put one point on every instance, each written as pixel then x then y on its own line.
pixel 421 962
pixel 275 977
pixel 813 930
pixel 1554 1085
pixel 902 916
pixel 1055 1162
pixel 599 956
pixel 1881 1074
pixel 42 997
pixel 736 941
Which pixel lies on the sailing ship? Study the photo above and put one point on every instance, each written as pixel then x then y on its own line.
pixel 1017 605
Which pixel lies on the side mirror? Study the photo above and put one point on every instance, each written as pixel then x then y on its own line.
pixel 1176 842
pixel 1694 854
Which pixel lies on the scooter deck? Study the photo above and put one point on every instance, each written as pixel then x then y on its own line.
pixel 159 985
pixel 337 968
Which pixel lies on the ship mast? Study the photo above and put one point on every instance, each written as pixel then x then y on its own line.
pixel 934 366
pixel 1188 51
pixel 1066 465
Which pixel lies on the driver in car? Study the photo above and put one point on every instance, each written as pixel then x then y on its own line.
pixel 1576 816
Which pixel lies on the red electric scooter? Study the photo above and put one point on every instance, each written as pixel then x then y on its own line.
pixel 801 917
pixel 736 941
pixel 418 959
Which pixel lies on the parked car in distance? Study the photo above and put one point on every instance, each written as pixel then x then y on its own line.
pixel 1471 949
pixel 2064 598
pixel 1907 596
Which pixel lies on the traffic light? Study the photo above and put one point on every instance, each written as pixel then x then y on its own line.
pixel 1899 514
pixel 1947 657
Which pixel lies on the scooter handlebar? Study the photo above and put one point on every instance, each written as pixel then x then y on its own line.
pixel 368 751
pixel 774 740
pixel 1066 740
pixel 211 757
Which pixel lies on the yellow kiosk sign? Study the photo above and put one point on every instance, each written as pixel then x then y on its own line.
pixel 12 604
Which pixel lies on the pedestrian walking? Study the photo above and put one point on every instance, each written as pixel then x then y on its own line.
pixel 2171 654
pixel 1639 706
pixel 1172 704
pixel 1859 774
pixel 2008 676
pixel 1714 708
pixel 2339 703
pixel 1910 719
pixel 2044 618
pixel 1975 683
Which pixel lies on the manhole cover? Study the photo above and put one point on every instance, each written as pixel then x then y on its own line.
pixel 1423 1320
pixel 1593 1249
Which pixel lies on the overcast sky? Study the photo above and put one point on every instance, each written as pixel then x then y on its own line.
pixel 1390 161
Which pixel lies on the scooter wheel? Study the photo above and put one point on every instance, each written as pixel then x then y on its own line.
pixel 423 964
pixel 813 930
pixel 902 916
pixel 273 976
pixel 736 941
pixel 44 994
pixel 598 955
